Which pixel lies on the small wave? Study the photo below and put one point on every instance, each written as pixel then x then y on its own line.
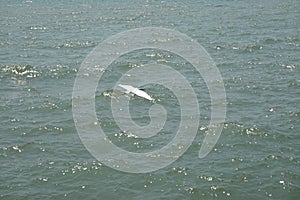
pixel 81 167
pixel 271 40
pixel 38 28
pixel 21 70
pixel 253 47
pixel 18 148
pixel 73 44
pixel 18 73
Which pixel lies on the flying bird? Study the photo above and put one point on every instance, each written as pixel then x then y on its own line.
pixel 136 91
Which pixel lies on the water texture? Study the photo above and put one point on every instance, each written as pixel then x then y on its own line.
pixel 255 45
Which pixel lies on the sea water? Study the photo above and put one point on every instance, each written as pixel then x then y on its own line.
pixel 255 46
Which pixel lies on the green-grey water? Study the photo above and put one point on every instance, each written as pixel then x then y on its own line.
pixel 254 44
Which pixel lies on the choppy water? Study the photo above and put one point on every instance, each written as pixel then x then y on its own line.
pixel 256 48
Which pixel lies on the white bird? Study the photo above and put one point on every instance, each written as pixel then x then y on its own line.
pixel 136 91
